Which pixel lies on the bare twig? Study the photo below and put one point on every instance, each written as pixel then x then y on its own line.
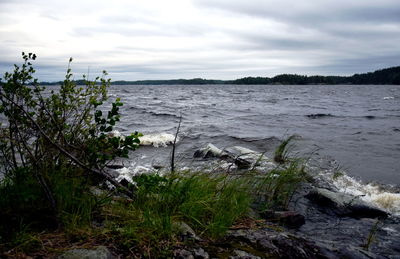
pixel 174 145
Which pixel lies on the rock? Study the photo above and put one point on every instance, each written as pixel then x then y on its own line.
pixel 209 151
pixel 115 166
pixel 343 204
pixel 124 182
pixel 100 252
pixel 239 254
pixel 273 244
pixel 158 167
pixel 242 163
pixel 276 244
pixel 242 157
pixel 183 254
pixel 97 191
pixel 200 254
pixel 291 219
pixel 185 231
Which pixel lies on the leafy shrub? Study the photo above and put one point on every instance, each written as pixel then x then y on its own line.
pixel 55 143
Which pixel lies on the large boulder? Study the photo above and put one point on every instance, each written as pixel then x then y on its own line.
pixel 343 204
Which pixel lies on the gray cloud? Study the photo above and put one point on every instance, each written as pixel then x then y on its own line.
pixel 201 38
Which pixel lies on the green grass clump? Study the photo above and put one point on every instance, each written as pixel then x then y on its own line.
pixel 281 154
pixel 279 185
pixel 209 204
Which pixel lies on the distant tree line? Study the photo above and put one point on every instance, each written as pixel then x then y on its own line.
pixel 388 76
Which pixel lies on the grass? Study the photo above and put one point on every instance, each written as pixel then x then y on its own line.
pixel 281 154
pixel 146 226
pixel 276 188
pixel 210 205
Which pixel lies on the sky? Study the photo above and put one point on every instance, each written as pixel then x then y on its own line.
pixel 213 39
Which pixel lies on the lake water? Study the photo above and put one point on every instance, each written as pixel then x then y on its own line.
pixel 356 125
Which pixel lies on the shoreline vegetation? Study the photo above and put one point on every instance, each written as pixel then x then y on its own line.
pixel 387 76
pixel 59 197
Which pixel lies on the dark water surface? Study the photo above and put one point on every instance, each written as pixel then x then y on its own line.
pixel 358 125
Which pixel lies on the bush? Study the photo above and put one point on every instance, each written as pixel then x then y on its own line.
pixel 54 145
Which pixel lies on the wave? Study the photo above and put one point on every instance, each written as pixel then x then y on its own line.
pixel 329 115
pixel 127 173
pixel 319 115
pixel 157 140
pixel 372 193
pixel 254 139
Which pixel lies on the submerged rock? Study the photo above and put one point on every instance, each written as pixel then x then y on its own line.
pixel 343 204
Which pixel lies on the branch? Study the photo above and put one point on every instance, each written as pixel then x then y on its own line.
pixel 69 155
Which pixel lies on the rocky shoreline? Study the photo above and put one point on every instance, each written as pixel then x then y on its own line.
pixel 320 221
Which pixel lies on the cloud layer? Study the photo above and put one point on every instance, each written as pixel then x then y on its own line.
pixel 222 39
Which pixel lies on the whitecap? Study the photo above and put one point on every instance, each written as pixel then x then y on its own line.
pixel 115 133
pixel 157 140
pixel 127 173
pixel 371 193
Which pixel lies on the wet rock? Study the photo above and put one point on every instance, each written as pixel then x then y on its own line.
pixel 291 219
pixel 124 183
pixel 209 151
pixel 115 166
pixel 158 166
pixel 343 204
pixel 100 252
pixel 242 157
pixel 242 163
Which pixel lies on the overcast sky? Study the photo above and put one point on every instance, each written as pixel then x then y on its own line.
pixel 215 39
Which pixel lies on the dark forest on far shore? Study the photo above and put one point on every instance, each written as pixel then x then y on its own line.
pixel 387 76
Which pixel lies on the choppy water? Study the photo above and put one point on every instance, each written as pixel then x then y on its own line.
pixel 358 125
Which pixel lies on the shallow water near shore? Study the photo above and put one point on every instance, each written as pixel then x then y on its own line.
pixel 356 125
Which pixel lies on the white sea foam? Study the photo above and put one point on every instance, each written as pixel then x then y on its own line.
pixel 157 140
pixel 388 98
pixel 115 133
pixel 129 172
pixel 370 193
